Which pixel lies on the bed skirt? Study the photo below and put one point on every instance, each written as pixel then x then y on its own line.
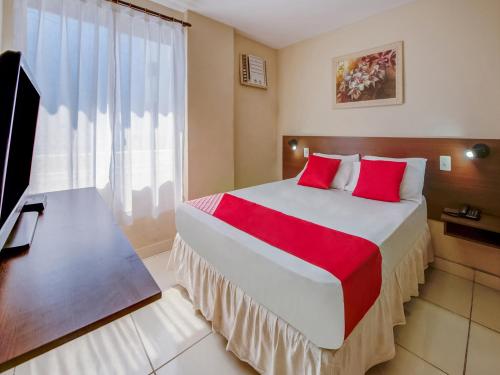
pixel 272 346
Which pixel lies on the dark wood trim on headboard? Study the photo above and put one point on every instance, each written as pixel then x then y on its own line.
pixel 476 182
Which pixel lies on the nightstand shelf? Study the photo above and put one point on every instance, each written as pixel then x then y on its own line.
pixel 485 231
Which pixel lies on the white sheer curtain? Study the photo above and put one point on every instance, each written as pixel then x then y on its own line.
pixel 113 101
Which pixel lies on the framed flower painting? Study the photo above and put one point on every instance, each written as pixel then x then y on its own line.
pixel 369 78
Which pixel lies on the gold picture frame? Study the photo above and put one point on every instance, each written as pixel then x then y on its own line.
pixel 372 77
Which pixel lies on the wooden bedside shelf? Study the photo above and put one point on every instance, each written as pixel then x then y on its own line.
pixel 485 231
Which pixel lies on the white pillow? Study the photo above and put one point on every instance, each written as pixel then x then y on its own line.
pixel 354 176
pixel 413 179
pixel 343 174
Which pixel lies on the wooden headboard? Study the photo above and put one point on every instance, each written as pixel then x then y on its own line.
pixel 476 182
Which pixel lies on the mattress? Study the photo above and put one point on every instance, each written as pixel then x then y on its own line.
pixel 306 296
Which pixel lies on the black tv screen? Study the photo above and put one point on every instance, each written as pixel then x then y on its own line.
pixel 18 118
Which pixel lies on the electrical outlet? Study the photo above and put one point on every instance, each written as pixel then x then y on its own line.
pixel 445 163
pixel 306 152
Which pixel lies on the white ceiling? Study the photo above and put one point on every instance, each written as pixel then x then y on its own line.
pixel 279 23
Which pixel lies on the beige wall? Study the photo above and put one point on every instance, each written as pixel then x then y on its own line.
pixel 6 33
pixel 5 24
pixel 451 49
pixel 452 86
pixel 210 157
pixel 255 119
pixel 1 25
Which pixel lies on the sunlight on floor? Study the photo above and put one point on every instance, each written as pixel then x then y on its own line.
pixel 453 317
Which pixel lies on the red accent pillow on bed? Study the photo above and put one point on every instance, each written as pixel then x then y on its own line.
pixel 319 172
pixel 380 180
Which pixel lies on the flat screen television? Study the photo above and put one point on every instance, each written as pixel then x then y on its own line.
pixel 19 103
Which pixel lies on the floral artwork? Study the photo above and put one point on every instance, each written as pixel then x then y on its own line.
pixel 369 78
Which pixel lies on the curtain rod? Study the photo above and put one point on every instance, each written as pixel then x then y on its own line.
pixel 150 12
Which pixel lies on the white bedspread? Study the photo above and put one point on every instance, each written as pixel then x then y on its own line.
pixel 307 297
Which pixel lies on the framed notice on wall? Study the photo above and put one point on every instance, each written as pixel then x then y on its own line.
pixel 253 71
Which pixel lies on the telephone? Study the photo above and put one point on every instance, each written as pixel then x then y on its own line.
pixel 464 211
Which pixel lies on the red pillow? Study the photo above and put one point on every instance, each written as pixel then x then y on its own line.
pixel 380 180
pixel 319 172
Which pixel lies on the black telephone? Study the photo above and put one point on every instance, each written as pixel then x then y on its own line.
pixel 464 211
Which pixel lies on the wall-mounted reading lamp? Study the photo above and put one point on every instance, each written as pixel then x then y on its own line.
pixel 293 144
pixel 478 151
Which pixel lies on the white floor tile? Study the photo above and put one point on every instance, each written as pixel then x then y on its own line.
pixel 486 307
pixel 169 326
pixel 484 351
pixel 449 291
pixel 112 349
pixel 404 363
pixel 208 357
pixel 157 266
pixel 8 372
pixel 434 334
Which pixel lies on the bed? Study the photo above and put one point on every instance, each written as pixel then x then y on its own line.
pixel 282 314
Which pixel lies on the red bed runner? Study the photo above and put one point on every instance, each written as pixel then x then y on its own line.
pixel 355 261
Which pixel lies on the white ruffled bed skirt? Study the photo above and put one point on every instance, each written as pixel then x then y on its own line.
pixel 272 346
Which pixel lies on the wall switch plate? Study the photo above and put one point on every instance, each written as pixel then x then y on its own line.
pixel 306 152
pixel 445 163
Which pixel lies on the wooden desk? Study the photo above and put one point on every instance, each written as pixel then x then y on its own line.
pixel 79 274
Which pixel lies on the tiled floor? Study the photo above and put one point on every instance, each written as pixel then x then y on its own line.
pixel 453 328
